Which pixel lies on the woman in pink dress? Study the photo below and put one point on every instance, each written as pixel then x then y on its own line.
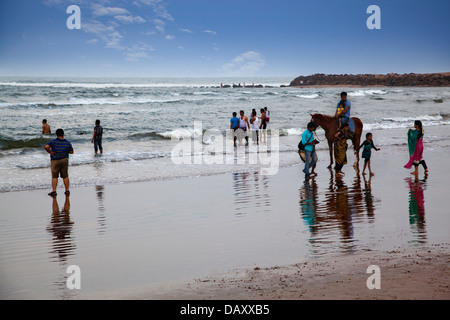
pixel 415 144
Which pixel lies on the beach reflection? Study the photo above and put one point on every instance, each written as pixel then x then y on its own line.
pixel 250 192
pixel 61 228
pixel 331 216
pixel 101 218
pixel 417 207
pixel 62 245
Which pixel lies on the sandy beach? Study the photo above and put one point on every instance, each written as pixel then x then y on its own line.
pixel 405 275
pixel 236 236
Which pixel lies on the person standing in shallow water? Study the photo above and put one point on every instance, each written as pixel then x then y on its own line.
pixel 45 127
pixel 310 149
pixel 415 145
pixel 367 146
pixel 59 150
pixel 97 137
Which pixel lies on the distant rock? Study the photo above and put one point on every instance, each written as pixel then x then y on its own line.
pixel 391 79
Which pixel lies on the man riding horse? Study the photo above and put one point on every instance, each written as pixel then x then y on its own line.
pixel 344 115
pixel 332 124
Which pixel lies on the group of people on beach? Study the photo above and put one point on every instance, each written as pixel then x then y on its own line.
pixel 257 125
pixel 308 143
pixel 59 150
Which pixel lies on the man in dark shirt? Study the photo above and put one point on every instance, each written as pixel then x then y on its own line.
pixel 97 137
pixel 59 150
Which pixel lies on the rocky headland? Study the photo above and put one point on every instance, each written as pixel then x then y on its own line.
pixel 391 79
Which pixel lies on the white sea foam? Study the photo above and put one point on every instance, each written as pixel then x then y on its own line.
pixel 362 93
pixel 308 96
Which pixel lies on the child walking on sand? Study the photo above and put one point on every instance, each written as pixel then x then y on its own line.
pixel 368 145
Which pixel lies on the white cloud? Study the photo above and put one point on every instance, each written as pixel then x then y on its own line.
pixel 245 64
pixel 158 8
pixel 185 30
pixel 108 34
pixel 129 19
pixel 138 51
pixel 159 25
pixel 170 37
pixel 100 10
pixel 210 32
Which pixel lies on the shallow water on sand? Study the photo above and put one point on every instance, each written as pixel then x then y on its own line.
pixel 127 238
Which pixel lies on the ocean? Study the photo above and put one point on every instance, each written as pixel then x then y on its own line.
pixel 147 123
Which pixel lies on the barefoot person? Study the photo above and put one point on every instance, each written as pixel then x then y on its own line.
pixel 415 144
pixel 97 137
pixel 234 125
pixel 263 126
pixel 45 127
pixel 59 150
pixel 244 125
pixel 368 146
pixel 310 149
pixel 340 147
pixel 255 127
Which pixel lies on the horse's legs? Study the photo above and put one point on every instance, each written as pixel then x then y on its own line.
pixel 330 147
pixel 355 147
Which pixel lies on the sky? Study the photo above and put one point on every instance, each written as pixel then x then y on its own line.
pixel 211 38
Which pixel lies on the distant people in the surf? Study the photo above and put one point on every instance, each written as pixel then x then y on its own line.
pixel 243 126
pixel 367 146
pixel 45 127
pixel 415 145
pixel 254 121
pixel 263 126
pixel 309 142
pixel 343 115
pixel 267 114
pixel 341 146
pixel 59 150
pixel 97 137
pixel 234 126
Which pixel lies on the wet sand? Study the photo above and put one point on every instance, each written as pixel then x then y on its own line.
pixel 236 236
pixel 404 275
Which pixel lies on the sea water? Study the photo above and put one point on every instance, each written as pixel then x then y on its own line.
pixel 144 120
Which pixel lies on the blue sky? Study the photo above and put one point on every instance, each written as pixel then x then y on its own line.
pixel 155 38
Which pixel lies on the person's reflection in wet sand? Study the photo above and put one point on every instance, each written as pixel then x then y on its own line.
pixel 101 219
pixel 417 206
pixel 308 204
pixel 61 227
pixel 342 209
pixel 62 245
pixel 368 197
pixel 251 195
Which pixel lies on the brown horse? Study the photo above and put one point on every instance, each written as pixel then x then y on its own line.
pixel 330 125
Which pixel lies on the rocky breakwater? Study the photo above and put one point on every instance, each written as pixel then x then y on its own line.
pixel 391 79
